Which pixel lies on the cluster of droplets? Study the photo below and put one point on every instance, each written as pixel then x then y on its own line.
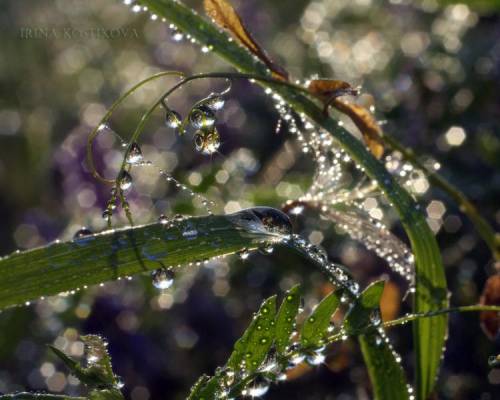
pixel 202 118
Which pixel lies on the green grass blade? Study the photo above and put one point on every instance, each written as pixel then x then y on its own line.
pixel 253 346
pixel 365 308
pixel 431 291
pixel 315 328
pixel 386 374
pixel 206 388
pixel 66 266
pixel 285 320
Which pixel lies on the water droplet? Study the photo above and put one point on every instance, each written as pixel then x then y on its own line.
pixel 375 317
pixel 207 142
pixel 125 180
pixel 163 278
pixel 82 232
pixel 162 219
pixel 243 254
pixel 214 102
pixel 201 117
pixel 172 119
pixel 263 219
pixel 267 248
pixel 134 155
pixel 106 214
pixel 259 387
pixel 190 233
pixel 177 35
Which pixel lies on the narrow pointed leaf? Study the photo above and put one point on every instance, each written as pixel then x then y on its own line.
pixel 365 308
pixel 285 320
pixel 206 388
pixel 255 343
pixel 315 328
pixel 89 260
pixel 386 374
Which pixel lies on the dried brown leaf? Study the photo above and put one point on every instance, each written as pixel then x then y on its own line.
pixel 365 122
pixel 329 89
pixel 224 15
pixel 490 320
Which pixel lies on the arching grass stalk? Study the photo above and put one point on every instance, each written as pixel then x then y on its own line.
pixel 107 116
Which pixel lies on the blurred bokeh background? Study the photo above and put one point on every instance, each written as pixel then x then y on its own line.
pixel 433 70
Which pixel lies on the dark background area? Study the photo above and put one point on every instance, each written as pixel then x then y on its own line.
pixel 433 71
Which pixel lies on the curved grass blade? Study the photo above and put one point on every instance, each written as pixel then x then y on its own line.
pixel 431 289
pixel 90 260
pixel 386 374
pixel 315 328
pixel 252 348
pixel 285 320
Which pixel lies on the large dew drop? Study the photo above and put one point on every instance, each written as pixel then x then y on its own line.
pixel 173 119
pixel 163 278
pixel 201 117
pixel 263 220
pixel 207 142
pixel 215 102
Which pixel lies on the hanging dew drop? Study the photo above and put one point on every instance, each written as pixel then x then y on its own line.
pixel 207 142
pixel 172 119
pixel 134 155
pixel 214 102
pixel 201 117
pixel 163 278
pixel 125 180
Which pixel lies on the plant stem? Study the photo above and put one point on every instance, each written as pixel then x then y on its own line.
pixel 93 134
